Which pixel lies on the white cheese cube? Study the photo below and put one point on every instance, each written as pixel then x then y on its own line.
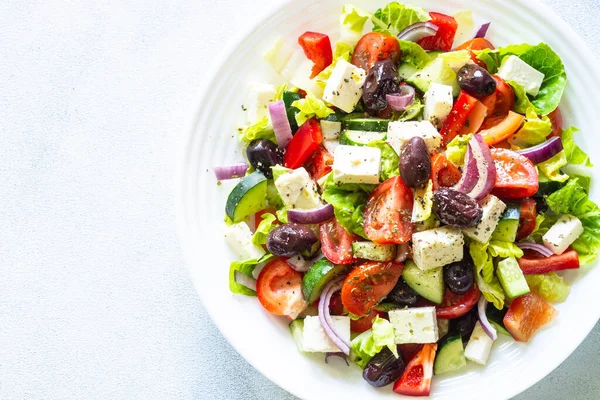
pixel 414 325
pixel 297 190
pixel 479 347
pixel 438 103
pixel 493 208
pixel 400 132
pixel 344 87
pixel 356 164
pixel 516 70
pixel 563 233
pixel 331 129
pixel 314 338
pixel 258 101
pixel 239 238
pixel 437 247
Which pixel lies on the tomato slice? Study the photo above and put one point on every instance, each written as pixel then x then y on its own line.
pixel 502 128
pixel 476 44
pixel 367 284
pixel 320 163
pixel 533 263
pixel 304 143
pixel 317 49
pixel 336 242
pixel 443 172
pixel 475 119
pixel 416 379
pixel 527 218
pixel 387 216
pixel 516 176
pixel 444 37
pixel 458 116
pixel 457 305
pixel 335 304
pixel 526 315
pixel 365 323
pixel 279 289
pixel 373 47
pixel 505 98
pixel 557 122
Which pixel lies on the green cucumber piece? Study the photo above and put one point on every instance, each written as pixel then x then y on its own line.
pixel 496 318
pixel 407 70
pixel 247 197
pixel 317 277
pixel 509 223
pixel 374 251
pixel 288 98
pixel 360 138
pixel 450 356
pixel 512 212
pixel 428 284
pixel 511 278
pixel 547 187
pixel 367 124
pixel 297 331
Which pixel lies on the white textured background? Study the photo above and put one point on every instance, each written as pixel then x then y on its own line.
pixel 95 300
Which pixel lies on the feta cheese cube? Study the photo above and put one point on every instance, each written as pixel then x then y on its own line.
pixel 239 238
pixel 258 101
pixel 314 339
pixel 516 70
pixel 479 347
pixel 331 129
pixel 563 233
pixel 356 164
pixel 414 325
pixel 437 247
pixel 297 190
pixel 344 87
pixel 400 131
pixel 493 208
pixel 438 103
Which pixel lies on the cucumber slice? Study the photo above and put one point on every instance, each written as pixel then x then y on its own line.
pixel 374 251
pixel 509 223
pixel 511 278
pixel 450 356
pixel 407 70
pixel 496 318
pixel 288 98
pixel 367 124
pixel 297 331
pixel 547 187
pixel 512 212
pixel 317 277
pixel 428 284
pixel 361 138
pixel 247 197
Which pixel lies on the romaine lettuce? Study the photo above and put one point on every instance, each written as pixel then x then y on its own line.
pixel 264 227
pixel 389 160
pixel 394 17
pixel 352 22
pixel 348 203
pixel 261 129
pixel 246 268
pixel 551 286
pixel 310 107
pixel 457 149
pixel 413 54
pixel 534 131
pixel 366 345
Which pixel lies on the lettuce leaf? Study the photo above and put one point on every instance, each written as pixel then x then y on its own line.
pixel 500 248
pixel 486 280
pixel 389 160
pixel 264 227
pixel 348 203
pixel 310 107
pixel 534 131
pixel 283 88
pixel 261 129
pixel 573 152
pixel 352 23
pixel 551 286
pixel 394 17
pixel 366 345
pixel 413 111
pixel 246 268
pixel 457 149
pixel 551 167
pixel 413 54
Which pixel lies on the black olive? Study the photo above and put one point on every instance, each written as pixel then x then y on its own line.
pixel 456 209
pixel 381 80
pixel 476 81
pixel 464 325
pixel 384 368
pixel 264 154
pixel 415 163
pixel 290 239
pixel 402 294
pixel 459 275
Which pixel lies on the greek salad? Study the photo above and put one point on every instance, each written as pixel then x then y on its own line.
pixel 409 193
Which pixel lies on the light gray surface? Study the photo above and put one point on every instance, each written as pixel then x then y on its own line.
pixel 95 301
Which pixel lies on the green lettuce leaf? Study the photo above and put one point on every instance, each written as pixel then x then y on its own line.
pixel 348 202
pixel 264 227
pixel 413 54
pixel 522 102
pixel 352 23
pixel 486 280
pixel 551 167
pixel 366 345
pixel 413 111
pixel 246 268
pixel 534 131
pixel 573 152
pixel 389 160
pixel 283 88
pixel 500 248
pixel 457 149
pixel 551 286
pixel 261 129
pixel 543 222
pixel 310 107
pixel 393 18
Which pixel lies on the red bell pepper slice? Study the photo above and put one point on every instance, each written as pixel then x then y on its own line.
pixel 416 379
pixel 304 143
pixel 317 48
pixel 526 315
pixel 532 264
pixel 458 116
pixel 444 37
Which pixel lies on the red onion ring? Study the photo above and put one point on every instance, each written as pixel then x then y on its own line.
pixel 402 253
pixel 281 125
pixel 230 171
pixel 418 31
pixel 470 173
pixel 543 151
pixel 485 324
pixel 399 101
pixel 244 280
pixel 300 264
pixel 482 31
pixel 485 167
pixel 543 250
pixel 314 216
pixel 340 355
pixel 325 316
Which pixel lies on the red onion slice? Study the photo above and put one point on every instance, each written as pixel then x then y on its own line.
pixel 230 171
pixel 481 32
pixel 418 31
pixel 244 280
pixel 314 216
pixel 543 151
pixel 399 101
pixel 281 125
pixel 325 316
pixel 485 167
pixel 483 320
pixel 470 173
pixel 339 355
pixel 543 250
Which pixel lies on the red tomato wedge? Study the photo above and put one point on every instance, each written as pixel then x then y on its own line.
pixel 534 263
pixel 365 323
pixel 320 163
pixel 526 315
pixel 317 49
pixel 516 176
pixel 279 289
pixel 527 218
pixel 388 212
pixel 304 143
pixel 336 242
pixel 373 47
pixel 457 305
pixel 458 116
pixel 367 284
pixel 476 44
pixel 444 37
pixel 475 119
pixel 503 128
pixel 443 172
pixel 416 379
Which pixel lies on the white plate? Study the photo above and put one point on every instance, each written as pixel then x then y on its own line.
pixel 264 339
